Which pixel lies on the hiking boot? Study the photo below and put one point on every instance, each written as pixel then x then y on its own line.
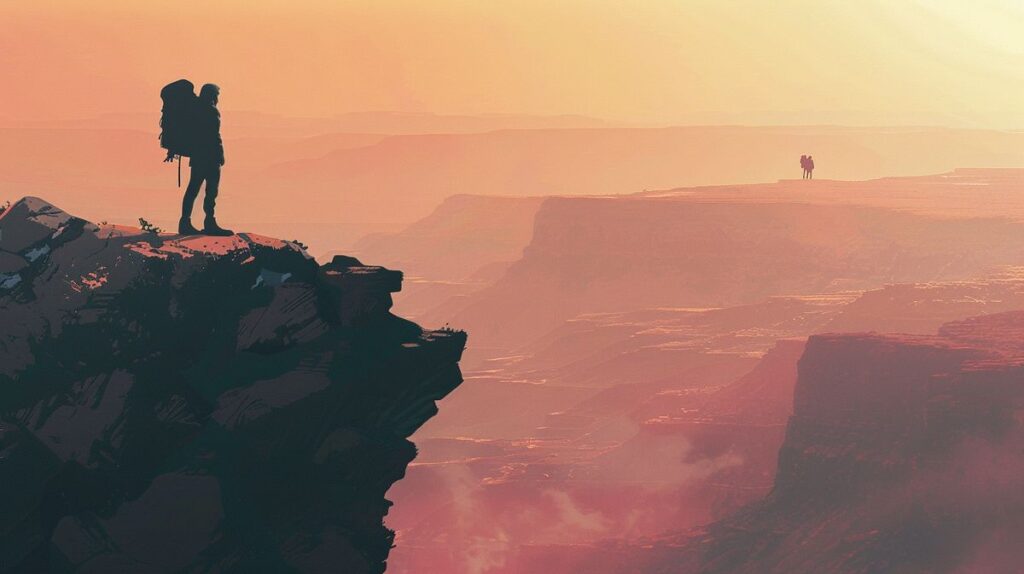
pixel 185 227
pixel 211 228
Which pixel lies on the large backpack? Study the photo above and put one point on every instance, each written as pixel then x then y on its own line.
pixel 177 118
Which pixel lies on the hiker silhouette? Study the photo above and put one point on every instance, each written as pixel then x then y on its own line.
pixel 191 127
pixel 807 163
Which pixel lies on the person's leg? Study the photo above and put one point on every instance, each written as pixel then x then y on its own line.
pixel 210 227
pixel 195 181
pixel 212 188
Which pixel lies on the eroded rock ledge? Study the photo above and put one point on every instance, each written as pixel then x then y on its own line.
pixel 200 404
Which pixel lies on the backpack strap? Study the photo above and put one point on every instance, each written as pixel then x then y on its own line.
pixel 179 171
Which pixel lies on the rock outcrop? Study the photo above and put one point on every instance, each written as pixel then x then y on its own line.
pixel 199 404
pixel 903 455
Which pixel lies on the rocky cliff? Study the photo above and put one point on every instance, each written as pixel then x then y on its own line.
pixel 198 404
pixel 903 454
pixel 588 255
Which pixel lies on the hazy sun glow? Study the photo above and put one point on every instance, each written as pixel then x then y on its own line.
pixel 953 62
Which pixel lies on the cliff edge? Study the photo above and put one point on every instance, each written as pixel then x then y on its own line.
pixel 903 454
pixel 200 404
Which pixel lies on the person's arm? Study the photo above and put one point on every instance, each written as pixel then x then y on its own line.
pixel 220 142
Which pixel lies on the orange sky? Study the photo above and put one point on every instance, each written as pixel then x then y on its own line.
pixel 678 61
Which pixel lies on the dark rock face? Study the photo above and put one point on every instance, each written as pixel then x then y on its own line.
pixel 199 404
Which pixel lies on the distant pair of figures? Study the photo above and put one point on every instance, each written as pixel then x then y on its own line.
pixel 807 163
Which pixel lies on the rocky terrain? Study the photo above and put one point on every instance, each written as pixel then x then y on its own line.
pixel 462 247
pixel 903 454
pixel 650 407
pixel 198 404
pixel 732 246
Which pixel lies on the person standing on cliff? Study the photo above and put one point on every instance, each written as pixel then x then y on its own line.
pixel 206 160
pixel 803 166
pixel 810 167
